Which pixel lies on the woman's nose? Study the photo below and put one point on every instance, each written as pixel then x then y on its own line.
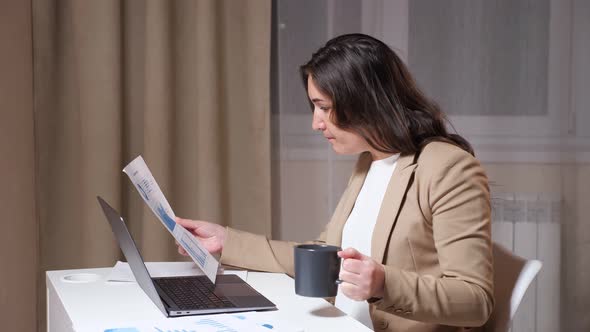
pixel 317 123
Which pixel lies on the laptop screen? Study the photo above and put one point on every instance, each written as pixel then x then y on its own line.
pixel 131 254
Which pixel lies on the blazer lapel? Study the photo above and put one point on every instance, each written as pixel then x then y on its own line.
pixel 334 236
pixel 394 195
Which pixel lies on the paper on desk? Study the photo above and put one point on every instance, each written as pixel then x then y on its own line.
pixel 146 185
pixel 267 319
pixel 208 323
pixel 122 272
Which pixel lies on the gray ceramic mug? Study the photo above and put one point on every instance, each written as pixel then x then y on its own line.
pixel 317 267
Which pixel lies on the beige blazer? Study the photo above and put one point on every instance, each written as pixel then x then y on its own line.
pixel 432 234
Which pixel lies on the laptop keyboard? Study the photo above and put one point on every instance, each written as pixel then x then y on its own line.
pixel 193 293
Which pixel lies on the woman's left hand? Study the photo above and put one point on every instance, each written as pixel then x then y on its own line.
pixel 362 276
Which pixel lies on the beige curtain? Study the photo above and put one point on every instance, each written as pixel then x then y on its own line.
pixel 18 248
pixel 183 83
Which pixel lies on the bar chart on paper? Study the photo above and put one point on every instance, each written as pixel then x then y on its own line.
pixel 213 323
pixel 150 191
pixel 204 325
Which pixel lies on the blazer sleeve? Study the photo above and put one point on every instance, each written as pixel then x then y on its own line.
pixel 454 199
pixel 257 252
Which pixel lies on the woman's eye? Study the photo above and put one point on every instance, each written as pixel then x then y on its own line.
pixel 325 108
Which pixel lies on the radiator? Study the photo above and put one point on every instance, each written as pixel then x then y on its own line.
pixel 529 225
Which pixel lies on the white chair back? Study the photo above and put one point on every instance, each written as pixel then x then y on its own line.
pixel 512 277
pixel 527 275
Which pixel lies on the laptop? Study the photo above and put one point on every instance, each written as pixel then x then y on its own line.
pixel 187 295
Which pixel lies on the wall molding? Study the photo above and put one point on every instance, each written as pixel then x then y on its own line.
pixel 298 142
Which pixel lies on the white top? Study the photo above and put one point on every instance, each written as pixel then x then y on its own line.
pixel 358 229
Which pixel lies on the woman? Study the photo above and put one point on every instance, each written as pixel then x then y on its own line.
pixel 415 217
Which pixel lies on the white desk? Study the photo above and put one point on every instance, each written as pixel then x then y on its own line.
pixel 79 306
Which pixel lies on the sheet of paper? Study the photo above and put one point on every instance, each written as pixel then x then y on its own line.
pixel 208 323
pixel 148 188
pixel 268 320
pixel 121 272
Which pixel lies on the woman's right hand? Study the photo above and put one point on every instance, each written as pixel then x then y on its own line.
pixel 211 236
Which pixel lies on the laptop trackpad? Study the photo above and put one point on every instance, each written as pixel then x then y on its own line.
pixel 232 290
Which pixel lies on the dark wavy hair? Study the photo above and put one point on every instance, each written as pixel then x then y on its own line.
pixel 374 94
